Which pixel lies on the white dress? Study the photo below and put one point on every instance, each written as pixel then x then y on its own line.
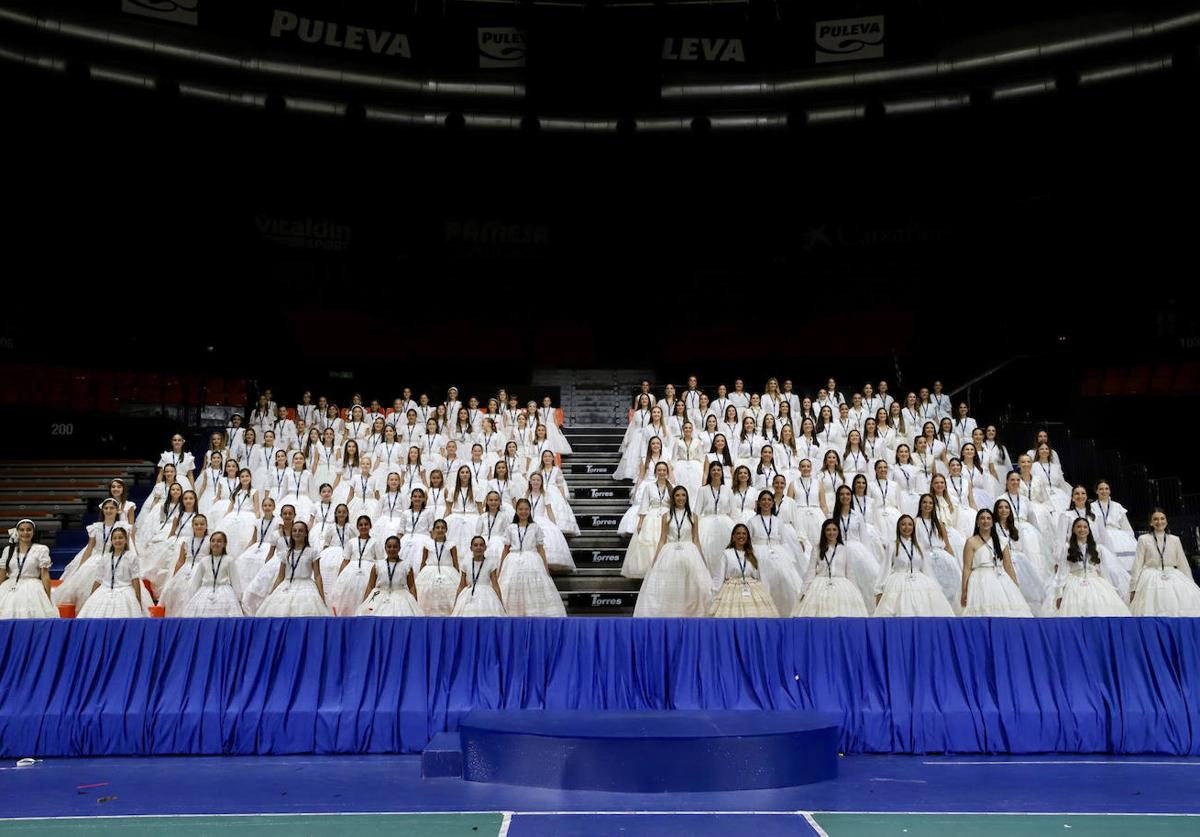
pixel 558 554
pixel 944 560
pixel 990 591
pixel 251 559
pixel 416 528
pixel 716 525
pixel 654 505
pixel 216 589
pixel 478 598
pixel 184 464
pixel 462 518
pixel 742 594
pixel 114 598
pixel 387 515
pixel 211 478
pixel 807 516
pixel 556 489
pixel 827 590
pixel 549 417
pixel 178 590
pixel 1115 570
pixel 1032 542
pixel 908 586
pixel 495 531
pixel 238 523
pixel 1031 577
pixel 351 584
pixel 678 583
pixel 297 594
pixel 437 580
pixel 77 578
pixel 390 596
pixel 1163 579
pixel 1085 591
pixel 689 461
pixel 1119 535
pixel 525 585
pixel 22 595
pixel 777 550
pixel 862 556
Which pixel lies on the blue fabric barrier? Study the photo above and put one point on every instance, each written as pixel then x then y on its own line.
pixel 104 687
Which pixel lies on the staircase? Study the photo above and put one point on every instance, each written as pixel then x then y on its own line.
pixel 597 587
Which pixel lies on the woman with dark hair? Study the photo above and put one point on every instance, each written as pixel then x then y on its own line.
pixel 989 582
pixel 863 550
pixel 116 591
pixel 216 588
pixel 177 592
pixel 719 452
pixel 298 590
pixel 1118 533
pixel 478 589
pixel 390 590
pixel 25 575
pixel 678 582
pixel 907 585
pixel 438 574
pixel 355 563
pixel 416 524
pixel 688 459
pixel 713 511
pixel 1162 577
pixel 655 502
pixel 826 590
pixel 1080 588
pixel 1031 575
pixel 807 495
pixel 778 551
pixel 742 594
pixel 1080 509
pixel 525 584
pixel 181 458
pixel 941 546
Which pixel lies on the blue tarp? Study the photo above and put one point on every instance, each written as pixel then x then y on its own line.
pixel 366 685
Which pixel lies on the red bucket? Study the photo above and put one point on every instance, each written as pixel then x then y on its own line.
pixel 66 611
pixel 158 611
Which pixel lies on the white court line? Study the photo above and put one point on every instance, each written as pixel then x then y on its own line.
pixel 812 823
pixel 1066 763
pixel 505 824
pixel 1015 813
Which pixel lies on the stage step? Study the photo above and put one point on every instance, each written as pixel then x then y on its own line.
pixel 645 752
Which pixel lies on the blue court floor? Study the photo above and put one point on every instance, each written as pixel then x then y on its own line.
pixel 347 795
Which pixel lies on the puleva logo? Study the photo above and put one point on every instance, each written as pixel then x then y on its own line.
pixel 501 46
pixel 849 39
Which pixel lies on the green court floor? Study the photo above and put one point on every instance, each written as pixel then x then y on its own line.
pixel 341 825
pixel 1004 825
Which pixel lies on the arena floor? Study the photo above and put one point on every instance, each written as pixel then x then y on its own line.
pixel 352 795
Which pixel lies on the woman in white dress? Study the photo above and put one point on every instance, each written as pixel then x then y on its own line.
pixel 506 484
pixel 854 458
pixel 808 445
pixel 741 495
pixel 241 513
pixel 864 553
pixel 654 503
pixel 1048 468
pixel 479 588
pixel 25 575
pixel 907 585
pixel 827 591
pixel 787 455
pixel 961 489
pixel 829 480
pixel 216 588
pixel 117 584
pixel 720 452
pixel 548 415
pixel 333 538
pixel 631 459
pixel 989 582
pixel 874 442
pixel 251 559
pixel 210 478
pixel 280 540
pixel 555 486
pixel 1162 577
pixel 1080 586
pixel 492 525
pixel 1032 543
pixel 157 559
pixel 438 574
pixel 387 512
pixel 1030 567
pixel 887 498
pixel 778 551
pixel 463 508
pixel 558 554
pixel 178 590
pixel 1079 508
pixel 959 518
pixel 678 582
pixel 417 524
pixel 983 481
pixel 742 594
pixel 942 546
pixel 151 514
pixel 76 579
pixel 391 590
pixel 182 459
pixel 765 470
pixel 390 454
pixel 355 563
pixel 297 487
pixel 908 478
pixel 807 494
pixel 860 498
pixel 298 590
pixel 713 511
pixel 413 475
pixel 1118 533
pixel 525 583
pixel 688 459
pixel 327 464
pixel 749 443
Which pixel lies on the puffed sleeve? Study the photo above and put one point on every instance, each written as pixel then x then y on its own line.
pixel 43 556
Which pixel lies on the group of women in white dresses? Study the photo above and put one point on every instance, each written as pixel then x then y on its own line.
pixel 898 501
pixel 265 528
